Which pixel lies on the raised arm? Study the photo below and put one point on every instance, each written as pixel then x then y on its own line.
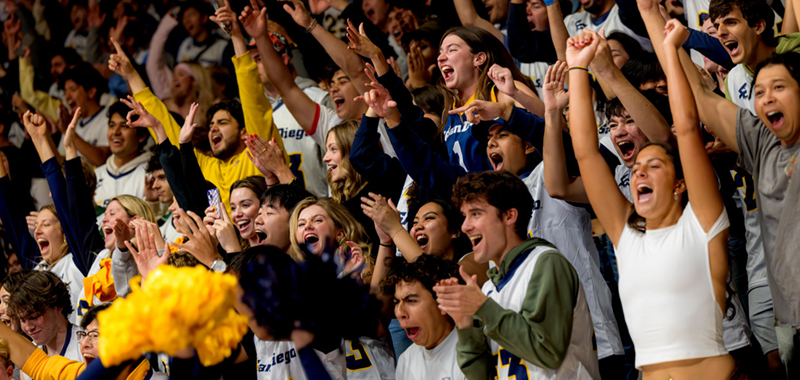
pixel 558 30
pixel 517 91
pixel 717 113
pixel 608 202
pixel 348 61
pixel 469 16
pixel 557 181
pixel 646 116
pixel 160 75
pixel 701 181
pixel 297 102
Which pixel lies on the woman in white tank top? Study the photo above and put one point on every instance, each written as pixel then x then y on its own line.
pixel 672 247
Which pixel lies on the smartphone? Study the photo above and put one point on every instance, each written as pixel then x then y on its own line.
pixel 225 26
pixel 214 201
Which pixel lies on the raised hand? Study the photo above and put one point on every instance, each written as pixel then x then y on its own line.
pixel 122 233
pixel 226 233
pixel 503 79
pixel 480 110
pixel 146 257
pixel 35 125
pixel 120 63
pixel 418 73
pixel 384 213
pixel 115 33
pixel 554 95
pixel 269 159
pixel 317 7
pixel 69 135
pixel 30 219
pixel 360 43
pixel 353 259
pixel 94 18
pixel 675 34
pixel 603 62
pixel 460 301
pixel 298 12
pixel 187 130
pixel 201 244
pixel 581 49
pixel 254 19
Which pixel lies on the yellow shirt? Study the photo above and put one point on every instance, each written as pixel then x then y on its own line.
pixel 39 366
pixel 257 120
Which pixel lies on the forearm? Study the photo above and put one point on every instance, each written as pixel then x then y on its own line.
pixel 582 120
pixel 710 47
pixel 540 333
pixel 45 147
pixel 347 60
pixel 644 113
pixel 39 100
pixel 682 105
pixel 96 155
pixel 93 52
pixel 256 107
pixel 558 30
pixel 556 180
pixel 58 191
pixel 469 17
pixel 123 269
pixel 159 110
pixel 21 348
pixel 790 19
pixel 531 103
pixel 158 72
pixel 473 354
pixel 407 246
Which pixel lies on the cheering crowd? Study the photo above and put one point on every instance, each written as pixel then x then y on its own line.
pixel 409 189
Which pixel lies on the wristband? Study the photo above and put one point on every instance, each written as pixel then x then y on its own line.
pixel 578 68
pixel 311 25
pixel 387 245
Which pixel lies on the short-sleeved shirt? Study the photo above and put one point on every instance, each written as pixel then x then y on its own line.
pixel 93 130
pixel 420 363
pixel 778 199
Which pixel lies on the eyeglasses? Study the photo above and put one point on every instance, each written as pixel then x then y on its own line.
pixel 92 335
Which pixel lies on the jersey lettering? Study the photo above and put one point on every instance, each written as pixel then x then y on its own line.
pixel 517 369
pixel 745 181
pixel 83 306
pixel 459 154
pixel 357 358
pixel 701 19
pixel 625 181
pixel 579 25
pixel 537 205
pixel 296 134
pixel 743 91
pixel 277 358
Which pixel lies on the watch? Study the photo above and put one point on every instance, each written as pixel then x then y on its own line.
pixel 219 266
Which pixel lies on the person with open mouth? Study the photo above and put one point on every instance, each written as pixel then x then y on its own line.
pixel 410 284
pixel 245 205
pixel 465 56
pixel 272 223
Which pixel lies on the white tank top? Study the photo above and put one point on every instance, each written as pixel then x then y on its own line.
pixel 666 291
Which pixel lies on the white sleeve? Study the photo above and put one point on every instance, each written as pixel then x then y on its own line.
pixel 123 268
pixel 324 119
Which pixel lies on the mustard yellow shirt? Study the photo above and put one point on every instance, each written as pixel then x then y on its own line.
pixel 39 366
pixel 257 119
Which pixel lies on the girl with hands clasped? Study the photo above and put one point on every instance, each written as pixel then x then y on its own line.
pixel 672 245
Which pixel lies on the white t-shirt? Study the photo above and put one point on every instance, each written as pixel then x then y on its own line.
pixel 666 291
pixel 439 363
pixel 189 52
pixel 109 185
pixel 278 360
pixel 93 130
pixel 576 22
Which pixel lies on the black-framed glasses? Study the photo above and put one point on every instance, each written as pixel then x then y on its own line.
pixel 93 335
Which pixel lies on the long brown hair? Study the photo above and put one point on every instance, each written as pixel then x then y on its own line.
pixel 353 182
pixel 480 41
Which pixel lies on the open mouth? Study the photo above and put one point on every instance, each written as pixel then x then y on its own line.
pixel 626 148
pixel 216 140
pixel 422 240
pixel 5 319
pixel 531 25
pixel 497 161
pixel 88 358
pixel 645 193
pixel 243 225
pixel 732 46
pixel 447 73
pixel 44 244
pixel 412 332
pixel 108 230
pixel 775 119
pixel 311 238
pixel 476 239
pixel 333 168
pixel 338 102
pixel 116 142
pixel 261 237
pixel 370 14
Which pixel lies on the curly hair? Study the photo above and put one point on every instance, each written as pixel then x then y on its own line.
pixel 502 190
pixel 426 269
pixel 39 291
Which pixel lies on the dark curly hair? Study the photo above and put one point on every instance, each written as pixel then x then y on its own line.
pixel 426 269
pixel 39 291
pixel 502 190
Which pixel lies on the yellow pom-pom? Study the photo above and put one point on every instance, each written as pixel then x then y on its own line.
pixel 175 308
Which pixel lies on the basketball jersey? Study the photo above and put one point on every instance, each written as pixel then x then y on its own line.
pixel 622 174
pixel 364 359
pixel 576 22
pixel 536 71
pixel 402 204
pixel 580 362
pixel 68 272
pixel 746 201
pixel 438 363
pixel 278 360
pixel 305 155
pixel 738 87
pixel 128 183
pixel 569 228
pixel 465 150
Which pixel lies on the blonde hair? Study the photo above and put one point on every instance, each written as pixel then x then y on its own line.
pixel 5 353
pixel 135 207
pixel 64 245
pixel 353 182
pixel 353 231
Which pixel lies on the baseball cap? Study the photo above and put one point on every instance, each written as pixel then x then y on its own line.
pixel 279 42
